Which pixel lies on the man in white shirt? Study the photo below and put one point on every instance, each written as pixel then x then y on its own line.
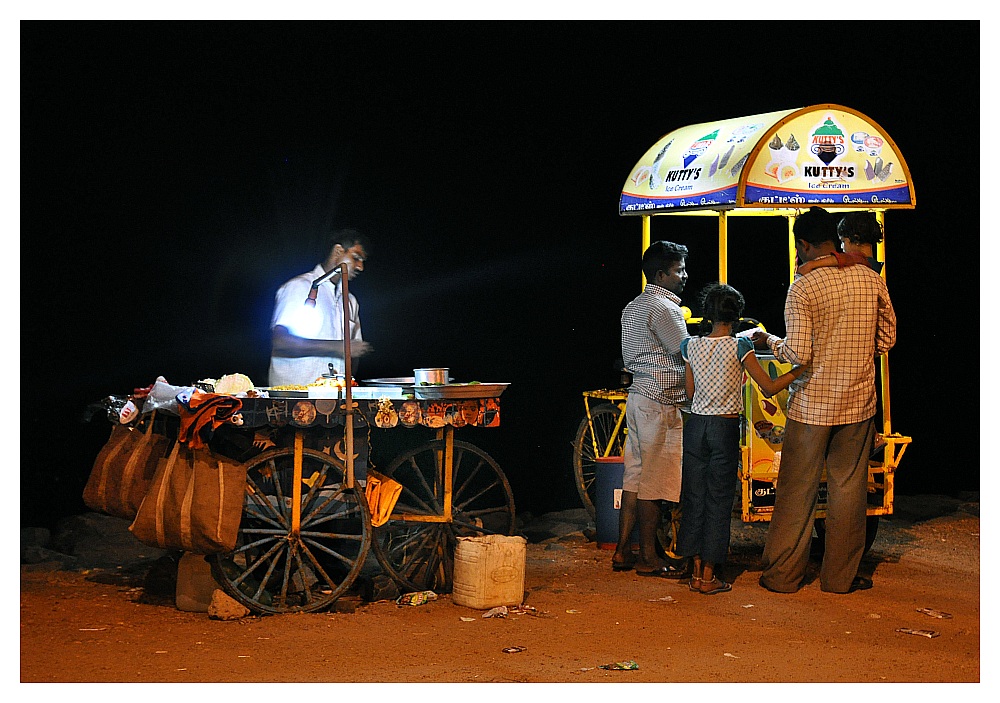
pixel 306 339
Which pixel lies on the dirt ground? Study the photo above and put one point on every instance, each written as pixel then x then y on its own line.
pixel 99 626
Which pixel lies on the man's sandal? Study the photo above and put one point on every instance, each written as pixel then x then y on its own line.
pixel 719 587
pixel 694 584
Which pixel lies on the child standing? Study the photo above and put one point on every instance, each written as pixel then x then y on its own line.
pixel 714 369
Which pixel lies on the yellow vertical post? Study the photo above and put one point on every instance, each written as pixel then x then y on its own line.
pixel 645 242
pixel 791 249
pixel 884 359
pixel 723 247
pixel 447 465
pixel 296 483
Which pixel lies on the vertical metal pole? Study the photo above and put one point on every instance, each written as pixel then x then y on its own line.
pixel 884 359
pixel 645 242
pixel 348 376
pixel 447 465
pixel 791 249
pixel 296 483
pixel 723 247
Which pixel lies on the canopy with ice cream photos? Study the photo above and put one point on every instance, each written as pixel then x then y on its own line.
pixel 826 155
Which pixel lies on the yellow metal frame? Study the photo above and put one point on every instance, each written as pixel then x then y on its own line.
pixel 757 457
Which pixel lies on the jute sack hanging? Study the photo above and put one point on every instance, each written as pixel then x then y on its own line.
pixel 124 469
pixel 194 503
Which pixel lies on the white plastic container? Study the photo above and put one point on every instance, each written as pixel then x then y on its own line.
pixel 489 571
pixel 195 584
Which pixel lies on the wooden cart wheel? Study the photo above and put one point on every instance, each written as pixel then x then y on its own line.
pixel 604 417
pixel 419 556
pixel 274 570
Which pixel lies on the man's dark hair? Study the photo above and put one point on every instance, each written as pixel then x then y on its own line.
pixel 347 238
pixel 860 228
pixel 816 226
pixel 660 256
pixel 721 303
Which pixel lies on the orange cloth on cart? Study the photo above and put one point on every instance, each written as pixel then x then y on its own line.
pixel 382 493
pixel 211 409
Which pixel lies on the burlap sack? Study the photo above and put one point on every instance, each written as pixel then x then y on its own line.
pixel 194 503
pixel 124 469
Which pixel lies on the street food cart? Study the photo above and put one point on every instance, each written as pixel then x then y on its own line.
pixel 313 506
pixel 776 164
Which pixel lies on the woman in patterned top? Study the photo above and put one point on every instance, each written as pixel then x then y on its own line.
pixel 714 367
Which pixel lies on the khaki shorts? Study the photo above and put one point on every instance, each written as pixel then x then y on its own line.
pixel 653 449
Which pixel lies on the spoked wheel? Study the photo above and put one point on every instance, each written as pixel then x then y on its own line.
pixel 668 529
pixel 871 532
pixel 275 569
pixel 604 419
pixel 416 547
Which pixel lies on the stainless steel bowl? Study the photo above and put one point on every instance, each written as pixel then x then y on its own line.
pixel 430 376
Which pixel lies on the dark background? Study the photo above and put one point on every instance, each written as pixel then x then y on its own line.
pixel 174 174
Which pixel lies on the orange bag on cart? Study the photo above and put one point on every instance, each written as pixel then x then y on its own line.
pixel 124 469
pixel 195 502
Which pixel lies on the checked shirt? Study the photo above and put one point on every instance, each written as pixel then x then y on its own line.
pixel 836 321
pixel 652 330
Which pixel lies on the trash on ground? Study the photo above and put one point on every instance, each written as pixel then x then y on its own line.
pixel 522 610
pixel 498 612
pixel 572 610
pixel 934 613
pixel 748 605
pixel 664 599
pixel 513 650
pixel 620 666
pixel 922 633
pixel 733 656
pixel 416 598
pixel 467 619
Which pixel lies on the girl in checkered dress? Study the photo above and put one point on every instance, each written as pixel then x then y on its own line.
pixel 714 366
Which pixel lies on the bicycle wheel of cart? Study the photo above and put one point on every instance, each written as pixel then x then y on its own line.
pixel 604 418
pixel 273 569
pixel 871 532
pixel 419 555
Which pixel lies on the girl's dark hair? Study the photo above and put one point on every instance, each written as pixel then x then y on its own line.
pixel 860 228
pixel 721 303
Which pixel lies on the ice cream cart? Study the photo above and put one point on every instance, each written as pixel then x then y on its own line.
pixel 779 164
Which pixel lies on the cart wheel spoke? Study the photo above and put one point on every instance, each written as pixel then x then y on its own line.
pixel 275 570
pixel 419 554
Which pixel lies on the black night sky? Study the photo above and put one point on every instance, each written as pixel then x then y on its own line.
pixel 174 174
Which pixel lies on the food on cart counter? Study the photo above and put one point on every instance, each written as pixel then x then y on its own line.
pixel 332 382
pixel 233 383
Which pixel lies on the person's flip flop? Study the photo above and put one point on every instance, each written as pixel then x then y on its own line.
pixel 626 565
pixel 722 587
pixel 664 572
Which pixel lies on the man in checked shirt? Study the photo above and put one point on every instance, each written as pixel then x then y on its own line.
pixel 653 327
pixel 836 321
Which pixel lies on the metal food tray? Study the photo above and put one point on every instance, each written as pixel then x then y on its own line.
pixel 271 393
pixel 460 390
